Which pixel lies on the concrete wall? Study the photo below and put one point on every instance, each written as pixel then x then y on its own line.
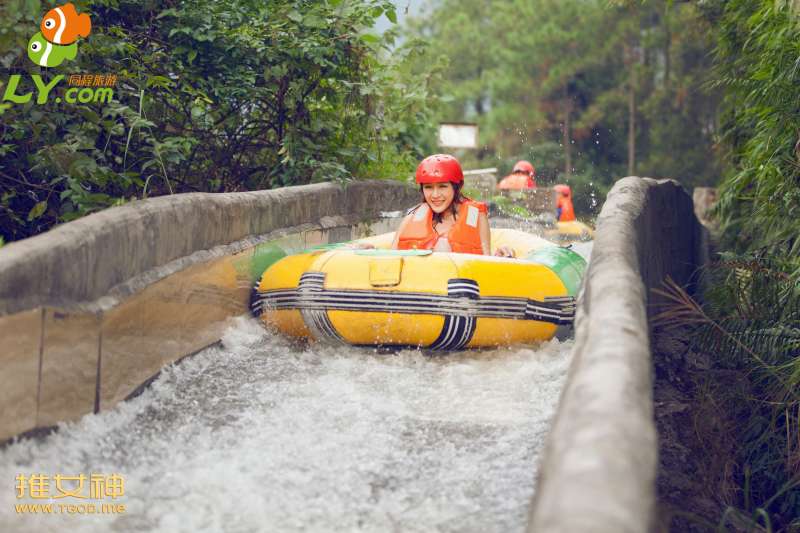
pixel 705 199
pixel 599 466
pixel 94 308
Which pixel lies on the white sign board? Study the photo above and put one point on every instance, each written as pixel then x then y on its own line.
pixel 454 135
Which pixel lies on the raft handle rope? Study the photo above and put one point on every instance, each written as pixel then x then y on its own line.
pixel 463 300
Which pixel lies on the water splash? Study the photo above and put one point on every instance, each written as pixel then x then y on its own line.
pixel 259 434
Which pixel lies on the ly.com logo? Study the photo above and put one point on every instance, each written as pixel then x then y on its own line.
pixel 61 27
pixel 56 43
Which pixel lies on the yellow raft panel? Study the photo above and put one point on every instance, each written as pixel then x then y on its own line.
pixel 569 232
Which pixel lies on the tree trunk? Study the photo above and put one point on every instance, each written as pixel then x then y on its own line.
pixel 629 53
pixel 667 46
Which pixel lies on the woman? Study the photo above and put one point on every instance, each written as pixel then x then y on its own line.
pixel 445 221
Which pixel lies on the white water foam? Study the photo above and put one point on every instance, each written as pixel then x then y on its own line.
pixel 262 435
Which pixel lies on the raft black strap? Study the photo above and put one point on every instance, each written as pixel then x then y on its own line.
pixel 457 330
pixel 256 300
pixel 467 303
pixel 317 320
pixel 557 310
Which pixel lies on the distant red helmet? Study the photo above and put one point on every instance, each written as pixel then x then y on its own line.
pixel 563 189
pixel 524 166
pixel 439 168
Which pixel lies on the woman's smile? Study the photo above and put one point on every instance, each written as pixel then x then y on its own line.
pixel 438 195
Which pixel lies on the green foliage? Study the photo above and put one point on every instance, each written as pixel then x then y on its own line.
pixel 211 96
pixel 587 193
pixel 751 324
pixel 757 64
pixel 550 82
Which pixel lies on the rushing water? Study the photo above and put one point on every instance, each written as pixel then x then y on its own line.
pixel 260 434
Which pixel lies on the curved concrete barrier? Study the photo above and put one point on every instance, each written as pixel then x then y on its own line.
pixel 82 260
pixel 94 308
pixel 599 467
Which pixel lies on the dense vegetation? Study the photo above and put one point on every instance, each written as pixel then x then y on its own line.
pixel 211 96
pixel 227 96
pixel 758 57
pixel 755 301
pixel 587 90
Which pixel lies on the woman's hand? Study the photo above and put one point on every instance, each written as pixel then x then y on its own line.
pixel 504 251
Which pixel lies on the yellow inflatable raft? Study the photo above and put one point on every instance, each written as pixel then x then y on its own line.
pixel 565 232
pixel 440 301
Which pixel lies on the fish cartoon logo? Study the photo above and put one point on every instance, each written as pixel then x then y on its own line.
pixel 61 27
pixel 46 54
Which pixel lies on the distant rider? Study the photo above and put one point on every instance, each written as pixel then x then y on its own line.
pixel 564 209
pixel 521 177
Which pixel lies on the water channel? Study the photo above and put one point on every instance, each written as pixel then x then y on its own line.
pixel 261 434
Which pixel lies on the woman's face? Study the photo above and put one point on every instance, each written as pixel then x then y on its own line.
pixel 438 195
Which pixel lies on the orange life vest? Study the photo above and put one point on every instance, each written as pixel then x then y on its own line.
pixel 464 237
pixel 567 212
pixel 517 181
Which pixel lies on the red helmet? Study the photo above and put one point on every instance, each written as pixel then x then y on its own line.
pixel 563 190
pixel 524 166
pixel 439 168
